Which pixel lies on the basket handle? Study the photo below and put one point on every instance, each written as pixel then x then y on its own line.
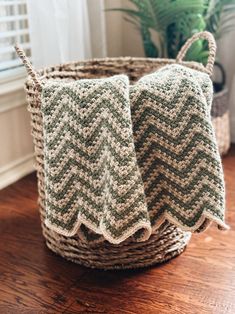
pixel 29 68
pixel 212 49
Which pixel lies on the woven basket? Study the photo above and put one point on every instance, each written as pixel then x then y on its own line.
pixel 166 242
pixel 220 113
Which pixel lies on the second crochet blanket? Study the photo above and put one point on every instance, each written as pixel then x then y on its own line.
pixel 121 160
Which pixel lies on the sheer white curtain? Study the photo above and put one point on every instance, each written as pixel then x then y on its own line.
pixel 66 30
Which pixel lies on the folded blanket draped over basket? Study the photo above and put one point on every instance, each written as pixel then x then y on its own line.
pixel 121 160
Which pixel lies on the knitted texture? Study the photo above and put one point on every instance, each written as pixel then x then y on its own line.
pixel 91 170
pixel 176 148
pixel 105 177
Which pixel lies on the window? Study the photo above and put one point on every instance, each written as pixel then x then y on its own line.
pixel 13 29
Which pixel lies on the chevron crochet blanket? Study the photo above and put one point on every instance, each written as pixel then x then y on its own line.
pixel 121 160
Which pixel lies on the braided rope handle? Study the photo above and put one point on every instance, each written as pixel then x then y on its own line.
pixel 29 68
pixel 212 49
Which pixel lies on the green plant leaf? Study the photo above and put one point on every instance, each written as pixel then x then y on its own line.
pixel 175 21
pixel 150 48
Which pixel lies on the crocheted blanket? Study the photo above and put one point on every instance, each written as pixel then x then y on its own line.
pixel 121 160
pixel 91 171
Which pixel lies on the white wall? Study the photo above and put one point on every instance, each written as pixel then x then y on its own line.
pixel 122 37
pixel 16 147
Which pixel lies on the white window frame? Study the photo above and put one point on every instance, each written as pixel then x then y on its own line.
pixel 12 80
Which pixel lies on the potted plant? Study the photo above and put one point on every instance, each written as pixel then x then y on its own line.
pixel 171 23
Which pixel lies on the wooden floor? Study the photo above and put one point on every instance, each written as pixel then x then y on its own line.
pixel 35 280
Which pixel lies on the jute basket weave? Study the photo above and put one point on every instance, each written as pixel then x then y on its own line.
pixel 166 242
pixel 220 120
pixel 220 112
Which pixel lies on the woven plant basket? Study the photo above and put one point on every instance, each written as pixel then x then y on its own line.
pixel 166 242
pixel 220 113
pixel 220 120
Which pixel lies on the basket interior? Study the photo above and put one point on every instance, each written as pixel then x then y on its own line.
pixel 135 68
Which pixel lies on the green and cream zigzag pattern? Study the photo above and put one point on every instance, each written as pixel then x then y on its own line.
pixel 176 148
pixel 91 170
pixel 121 160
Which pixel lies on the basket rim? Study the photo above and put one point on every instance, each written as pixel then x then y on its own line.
pixel 205 35
pixel 42 72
